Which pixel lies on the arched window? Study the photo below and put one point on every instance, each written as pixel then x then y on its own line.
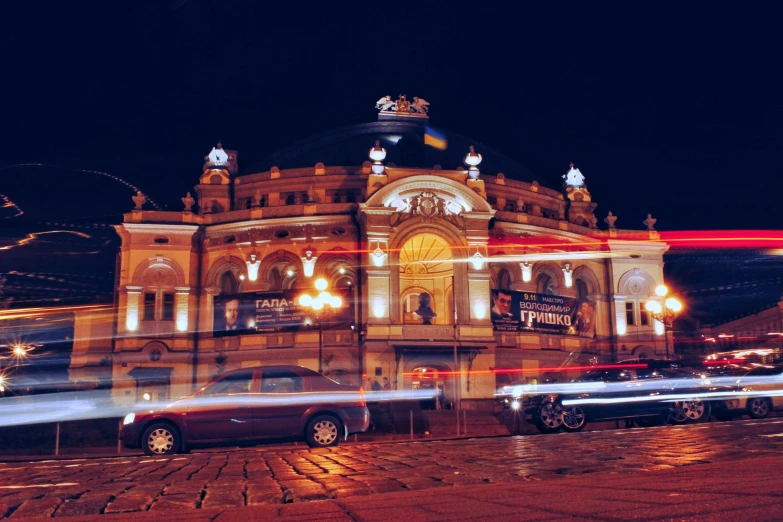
pixel 545 285
pixel 229 283
pixel 503 280
pixel 581 289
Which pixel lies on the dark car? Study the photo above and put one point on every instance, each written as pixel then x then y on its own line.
pixel 251 404
pixel 649 392
pixel 760 390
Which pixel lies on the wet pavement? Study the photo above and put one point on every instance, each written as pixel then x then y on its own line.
pixel 219 479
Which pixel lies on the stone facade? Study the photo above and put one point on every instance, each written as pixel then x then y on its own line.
pixel 385 235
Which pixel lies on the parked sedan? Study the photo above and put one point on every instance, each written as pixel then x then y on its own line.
pixel 251 404
pixel 649 392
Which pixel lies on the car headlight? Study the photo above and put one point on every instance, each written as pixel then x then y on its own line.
pixel 129 418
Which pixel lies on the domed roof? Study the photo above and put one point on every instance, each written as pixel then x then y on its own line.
pixel 404 143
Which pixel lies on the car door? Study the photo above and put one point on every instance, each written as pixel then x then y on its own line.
pixel 283 400
pixel 762 379
pixel 223 410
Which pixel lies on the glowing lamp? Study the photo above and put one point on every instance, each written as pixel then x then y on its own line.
pixel 182 321
pixel 336 302
pixel 472 160
pixel 378 256
pixel 321 284
pixel 661 290
pixel 477 261
pixel 19 350
pixel 621 328
pixel 480 310
pixel 527 272
pixel 252 266
pixel 659 328
pixel 305 300
pixel 290 273
pixel 568 275
pixel 379 308
pixel 653 306
pixel 308 260
pixel 377 153
pixel 132 320
pixel 673 304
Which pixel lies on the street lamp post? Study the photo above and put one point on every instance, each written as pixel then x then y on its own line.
pixel 321 306
pixel 664 313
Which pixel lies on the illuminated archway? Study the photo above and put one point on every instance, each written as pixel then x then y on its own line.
pixel 426 267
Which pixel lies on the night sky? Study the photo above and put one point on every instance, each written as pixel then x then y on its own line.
pixel 669 109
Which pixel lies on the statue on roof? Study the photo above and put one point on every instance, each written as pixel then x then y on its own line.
pixel 386 104
pixel 420 105
pixel 574 177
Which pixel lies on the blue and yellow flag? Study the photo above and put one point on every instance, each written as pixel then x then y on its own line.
pixel 435 139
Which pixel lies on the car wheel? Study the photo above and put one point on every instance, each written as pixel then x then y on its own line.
pixel 574 418
pixel 323 431
pixel 549 417
pixel 160 439
pixel 758 408
pixel 690 411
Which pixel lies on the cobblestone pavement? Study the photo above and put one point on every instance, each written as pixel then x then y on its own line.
pixel 266 475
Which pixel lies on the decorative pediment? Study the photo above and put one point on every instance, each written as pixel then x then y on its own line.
pixel 427 206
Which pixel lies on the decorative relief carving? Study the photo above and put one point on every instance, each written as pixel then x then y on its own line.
pixel 427 206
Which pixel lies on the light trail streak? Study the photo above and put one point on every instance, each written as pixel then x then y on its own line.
pixel 75 169
pixel 32 236
pixel 7 203
pixel 71 406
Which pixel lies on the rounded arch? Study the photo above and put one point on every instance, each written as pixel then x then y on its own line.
pixel 154 351
pixel 497 279
pixel 337 265
pixel 450 190
pixel 221 266
pixel 551 270
pixel 643 352
pixel 584 273
pixel 167 272
pixel 448 235
pixel 438 227
pixel 274 270
pixel 636 282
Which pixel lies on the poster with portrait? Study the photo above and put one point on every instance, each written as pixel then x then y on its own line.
pixel 531 312
pixel 260 312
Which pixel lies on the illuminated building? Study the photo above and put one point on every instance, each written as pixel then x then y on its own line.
pixel 382 229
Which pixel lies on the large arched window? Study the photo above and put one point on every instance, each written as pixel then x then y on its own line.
pixel 229 283
pixel 504 280
pixel 582 290
pixel 545 285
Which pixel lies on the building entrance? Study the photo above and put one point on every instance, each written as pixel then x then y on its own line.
pixel 438 381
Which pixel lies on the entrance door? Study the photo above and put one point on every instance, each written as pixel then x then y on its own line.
pixel 223 410
pixel 437 384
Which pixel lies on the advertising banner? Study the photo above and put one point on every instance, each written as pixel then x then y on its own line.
pixel 272 311
pixel 530 312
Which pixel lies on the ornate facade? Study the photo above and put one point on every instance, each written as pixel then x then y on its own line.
pixel 383 235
